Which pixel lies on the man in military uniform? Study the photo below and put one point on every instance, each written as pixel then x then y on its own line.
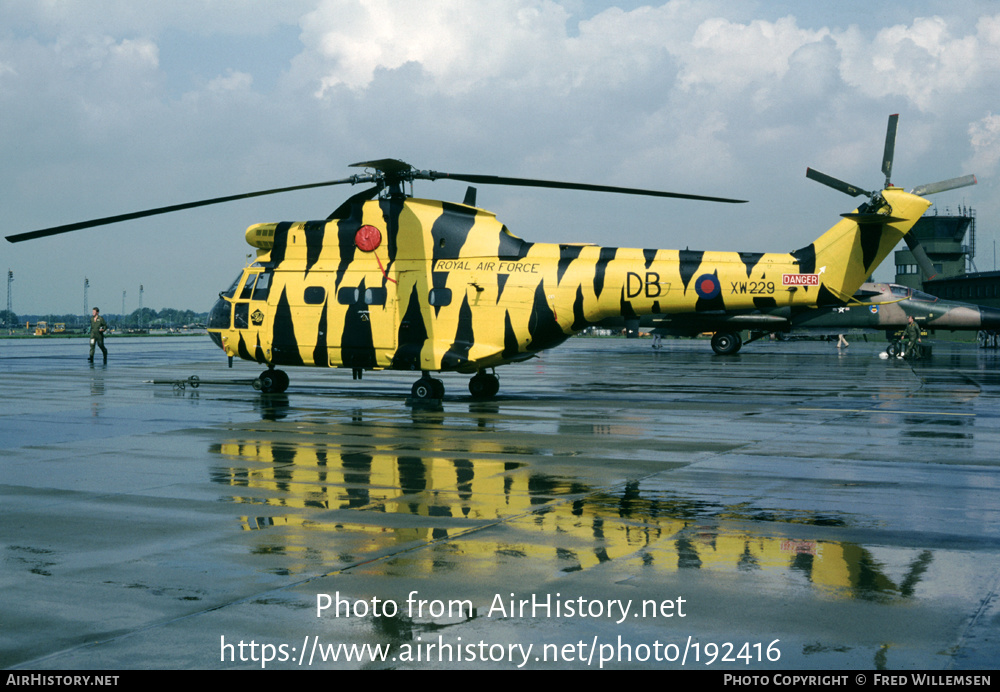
pixel 911 336
pixel 97 327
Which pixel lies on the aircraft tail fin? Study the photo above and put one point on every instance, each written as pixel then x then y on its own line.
pixel 844 257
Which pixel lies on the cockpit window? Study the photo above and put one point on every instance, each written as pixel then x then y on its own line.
pixel 926 297
pixel 248 287
pixel 260 291
pixel 231 291
pixel 899 291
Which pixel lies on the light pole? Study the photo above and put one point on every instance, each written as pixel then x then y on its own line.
pixel 10 305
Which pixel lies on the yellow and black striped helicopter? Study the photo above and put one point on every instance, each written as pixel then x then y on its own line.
pixel 391 281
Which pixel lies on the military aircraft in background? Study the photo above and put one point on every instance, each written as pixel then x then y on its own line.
pixel 390 281
pixel 874 307
pixel 886 307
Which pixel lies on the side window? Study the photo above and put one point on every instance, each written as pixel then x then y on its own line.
pixel 372 296
pixel 376 296
pixel 440 296
pixel 348 295
pixel 241 315
pixel 314 295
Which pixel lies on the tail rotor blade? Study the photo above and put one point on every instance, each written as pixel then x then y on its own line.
pixel 920 255
pixel 887 159
pixel 951 184
pixel 836 184
pixel 890 147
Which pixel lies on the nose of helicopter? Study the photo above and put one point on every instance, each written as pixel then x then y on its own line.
pixel 218 319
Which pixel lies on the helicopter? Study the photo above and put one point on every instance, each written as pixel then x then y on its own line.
pixel 392 281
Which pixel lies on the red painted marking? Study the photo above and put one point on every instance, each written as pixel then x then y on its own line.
pixel 368 238
pixel 386 275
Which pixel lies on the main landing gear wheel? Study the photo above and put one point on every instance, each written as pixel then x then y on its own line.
pixel 726 343
pixel 272 381
pixel 484 386
pixel 427 387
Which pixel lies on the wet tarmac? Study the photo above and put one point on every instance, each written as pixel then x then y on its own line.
pixel 792 507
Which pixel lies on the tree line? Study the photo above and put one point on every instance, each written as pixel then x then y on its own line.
pixel 146 318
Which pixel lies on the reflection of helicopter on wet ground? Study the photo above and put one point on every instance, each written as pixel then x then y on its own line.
pixel 431 497
pixel 389 281
pixel 875 307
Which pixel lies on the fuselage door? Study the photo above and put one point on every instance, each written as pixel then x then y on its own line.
pixel 369 321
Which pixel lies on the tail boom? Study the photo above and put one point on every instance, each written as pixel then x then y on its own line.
pixel 597 283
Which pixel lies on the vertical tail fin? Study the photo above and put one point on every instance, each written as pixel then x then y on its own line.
pixel 846 255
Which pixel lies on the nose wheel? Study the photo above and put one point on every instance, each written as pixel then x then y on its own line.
pixel 271 381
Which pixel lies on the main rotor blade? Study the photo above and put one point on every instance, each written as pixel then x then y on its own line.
pixel 943 185
pixel 392 167
pixel 56 230
pixel 836 184
pixel 890 146
pixel 920 255
pixel 528 182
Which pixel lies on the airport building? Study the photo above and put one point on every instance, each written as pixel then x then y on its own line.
pixel 950 243
pixel 979 288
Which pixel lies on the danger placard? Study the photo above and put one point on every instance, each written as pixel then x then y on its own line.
pixel 800 279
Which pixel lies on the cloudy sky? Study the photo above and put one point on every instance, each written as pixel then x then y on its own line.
pixel 110 106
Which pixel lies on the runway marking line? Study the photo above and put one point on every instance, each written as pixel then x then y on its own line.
pixel 879 410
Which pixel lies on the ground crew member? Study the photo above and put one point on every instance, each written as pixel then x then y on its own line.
pixel 911 335
pixel 97 327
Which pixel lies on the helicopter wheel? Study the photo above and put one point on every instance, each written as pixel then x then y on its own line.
pixel 726 343
pixel 484 386
pixel 272 381
pixel 427 388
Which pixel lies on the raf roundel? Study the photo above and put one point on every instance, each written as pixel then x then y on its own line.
pixel 707 286
pixel 368 238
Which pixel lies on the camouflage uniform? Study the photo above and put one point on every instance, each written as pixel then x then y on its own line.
pixel 911 335
pixel 97 327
